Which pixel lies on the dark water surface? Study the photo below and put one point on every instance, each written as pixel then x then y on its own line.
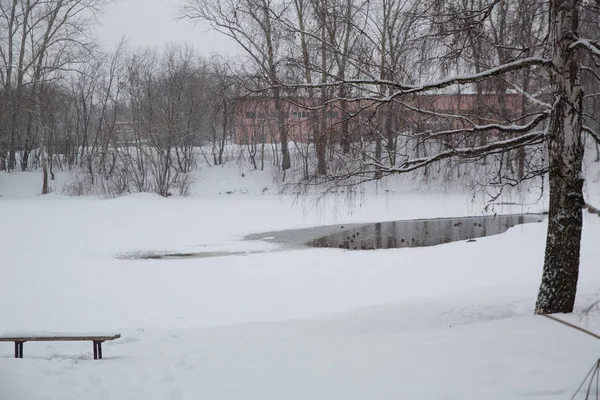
pixel 163 255
pixel 398 234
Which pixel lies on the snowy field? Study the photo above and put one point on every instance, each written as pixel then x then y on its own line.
pixel 447 322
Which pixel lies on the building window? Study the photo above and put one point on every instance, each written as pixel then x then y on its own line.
pixel 301 114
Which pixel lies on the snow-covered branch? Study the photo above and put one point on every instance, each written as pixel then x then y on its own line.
pixel 404 88
pixel 470 152
pixel 475 128
pixel 592 133
pixel 528 95
pixel 591 45
pixel 363 172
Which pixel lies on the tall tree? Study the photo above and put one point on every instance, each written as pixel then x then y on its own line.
pixel 565 146
pixel 253 25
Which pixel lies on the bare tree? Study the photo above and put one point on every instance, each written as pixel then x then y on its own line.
pixel 224 89
pixel 253 25
pixel 45 41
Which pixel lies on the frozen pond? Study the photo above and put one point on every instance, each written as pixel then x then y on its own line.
pixel 398 234
pixel 364 236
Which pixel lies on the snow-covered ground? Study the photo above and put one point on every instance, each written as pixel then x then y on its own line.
pixel 446 322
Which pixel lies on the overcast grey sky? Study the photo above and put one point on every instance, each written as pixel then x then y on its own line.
pixel 152 23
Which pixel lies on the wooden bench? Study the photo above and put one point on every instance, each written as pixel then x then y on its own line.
pixel 55 337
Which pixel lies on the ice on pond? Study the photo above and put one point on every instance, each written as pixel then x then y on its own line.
pixel 365 236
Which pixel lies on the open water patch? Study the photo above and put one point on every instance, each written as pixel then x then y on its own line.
pixel 161 255
pixel 398 234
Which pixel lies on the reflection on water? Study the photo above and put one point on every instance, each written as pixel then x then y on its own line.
pixel 420 233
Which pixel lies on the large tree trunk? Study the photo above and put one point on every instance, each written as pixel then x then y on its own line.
pixel 561 263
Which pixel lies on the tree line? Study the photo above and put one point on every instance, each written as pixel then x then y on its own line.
pixel 128 119
pixel 391 51
pixel 131 120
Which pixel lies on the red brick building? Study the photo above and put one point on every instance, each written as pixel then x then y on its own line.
pixel 258 122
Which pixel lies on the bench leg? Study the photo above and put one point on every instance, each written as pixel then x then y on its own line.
pixel 19 349
pixel 97 349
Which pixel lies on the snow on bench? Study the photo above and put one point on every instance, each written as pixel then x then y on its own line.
pixel 21 337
